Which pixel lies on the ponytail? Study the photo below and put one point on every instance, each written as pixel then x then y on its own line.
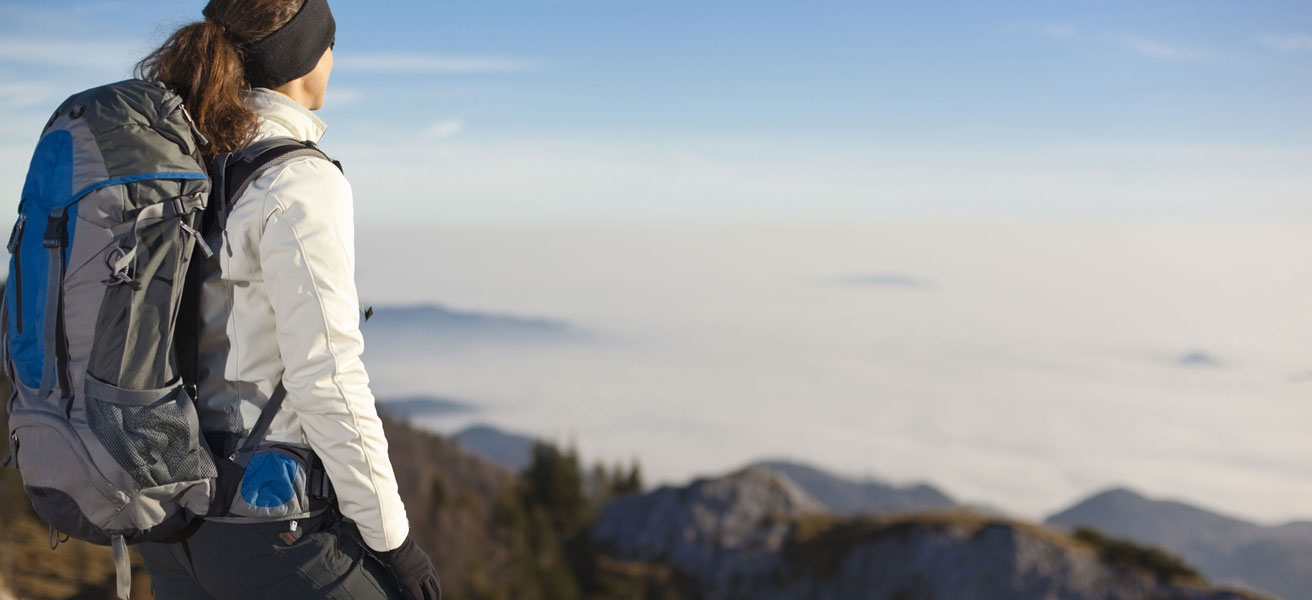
pixel 202 62
pixel 202 65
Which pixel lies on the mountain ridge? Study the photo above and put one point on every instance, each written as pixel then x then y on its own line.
pixel 1221 546
pixel 439 315
pixel 1274 558
pixel 755 534
pixel 848 496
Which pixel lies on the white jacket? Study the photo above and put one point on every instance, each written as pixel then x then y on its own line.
pixel 286 308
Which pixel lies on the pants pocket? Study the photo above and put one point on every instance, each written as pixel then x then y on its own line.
pixel 336 566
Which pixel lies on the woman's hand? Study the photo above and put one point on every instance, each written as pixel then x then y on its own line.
pixel 413 571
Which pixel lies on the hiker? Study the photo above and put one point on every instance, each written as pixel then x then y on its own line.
pixel 318 515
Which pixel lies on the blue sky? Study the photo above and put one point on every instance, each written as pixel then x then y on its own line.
pixel 580 110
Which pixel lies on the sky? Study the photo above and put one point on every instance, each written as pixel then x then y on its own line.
pixel 565 111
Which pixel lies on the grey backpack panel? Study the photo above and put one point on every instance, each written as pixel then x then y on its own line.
pixel 139 128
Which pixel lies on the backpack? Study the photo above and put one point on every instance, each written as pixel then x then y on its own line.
pixel 95 335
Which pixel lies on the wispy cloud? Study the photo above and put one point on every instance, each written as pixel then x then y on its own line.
pixel 1287 43
pixel 1145 46
pixel 444 129
pixel 427 63
pixel 101 54
pixel 1164 50
pixel 23 94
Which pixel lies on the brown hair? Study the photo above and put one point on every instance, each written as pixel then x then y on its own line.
pixel 202 62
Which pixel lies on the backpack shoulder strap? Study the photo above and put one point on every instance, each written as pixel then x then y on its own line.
pixel 231 174
pixel 256 435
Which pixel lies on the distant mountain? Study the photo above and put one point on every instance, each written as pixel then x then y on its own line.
pixel 850 497
pixel 438 324
pixel 1198 358
pixel 1272 559
pixel 757 534
pixel 423 406
pixel 510 450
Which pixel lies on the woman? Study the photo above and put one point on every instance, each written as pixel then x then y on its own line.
pixel 280 305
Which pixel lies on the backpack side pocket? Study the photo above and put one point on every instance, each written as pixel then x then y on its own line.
pixel 153 434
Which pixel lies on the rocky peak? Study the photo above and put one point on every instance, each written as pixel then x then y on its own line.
pixel 710 528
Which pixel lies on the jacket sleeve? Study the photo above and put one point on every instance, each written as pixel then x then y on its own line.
pixel 307 255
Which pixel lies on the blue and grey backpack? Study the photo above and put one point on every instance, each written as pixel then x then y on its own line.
pixel 96 341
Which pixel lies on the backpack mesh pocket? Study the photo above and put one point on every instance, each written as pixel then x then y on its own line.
pixel 153 434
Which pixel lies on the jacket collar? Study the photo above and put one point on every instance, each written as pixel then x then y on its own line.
pixel 281 116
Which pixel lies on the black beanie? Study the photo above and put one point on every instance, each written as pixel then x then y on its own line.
pixel 292 51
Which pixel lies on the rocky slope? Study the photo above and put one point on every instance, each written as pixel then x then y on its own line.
pixel 756 534
pixel 1274 559
pixel 715 531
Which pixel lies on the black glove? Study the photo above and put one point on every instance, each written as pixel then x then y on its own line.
pixel 413 571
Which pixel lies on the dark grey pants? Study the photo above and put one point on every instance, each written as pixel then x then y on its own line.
pixel 248 561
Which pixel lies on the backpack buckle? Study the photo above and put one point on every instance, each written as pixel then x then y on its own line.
pixel 55 229
pixel 319 484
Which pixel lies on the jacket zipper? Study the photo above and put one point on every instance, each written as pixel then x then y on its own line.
pixel 15 246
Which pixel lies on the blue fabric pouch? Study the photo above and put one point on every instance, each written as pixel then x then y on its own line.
pixel 274 485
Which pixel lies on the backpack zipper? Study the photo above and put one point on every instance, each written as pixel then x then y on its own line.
pixel 15 245
pixel 195 129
